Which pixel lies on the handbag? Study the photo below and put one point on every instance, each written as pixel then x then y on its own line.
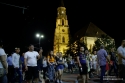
pixel 2 72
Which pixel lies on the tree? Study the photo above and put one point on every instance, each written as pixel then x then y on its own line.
pixel 80 43
pixel 106 41
pixel 70 45
pixel 74 45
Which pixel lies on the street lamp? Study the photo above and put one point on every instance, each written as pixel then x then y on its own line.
pixel 39 36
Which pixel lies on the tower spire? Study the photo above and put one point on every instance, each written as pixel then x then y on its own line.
pixel 62 3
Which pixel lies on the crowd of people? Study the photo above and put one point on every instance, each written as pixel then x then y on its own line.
pixel 32 64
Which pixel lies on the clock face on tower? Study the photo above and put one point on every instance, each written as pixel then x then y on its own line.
pixel 63 30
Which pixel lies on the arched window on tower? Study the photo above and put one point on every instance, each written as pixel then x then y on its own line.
pixel 63 39
pixel 62 22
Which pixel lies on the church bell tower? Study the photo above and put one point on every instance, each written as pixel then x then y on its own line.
pixel 61 35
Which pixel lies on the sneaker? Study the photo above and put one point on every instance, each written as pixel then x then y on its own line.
pixel 57 81
pixel 76 81
pixel 61 82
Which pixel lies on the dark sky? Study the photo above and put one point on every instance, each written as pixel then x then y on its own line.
pixel 18 29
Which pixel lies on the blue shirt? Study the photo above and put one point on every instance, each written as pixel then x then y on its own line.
pixel 9 61
pixel 101 56
pixel 82 58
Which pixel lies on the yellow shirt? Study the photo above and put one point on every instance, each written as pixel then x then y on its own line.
pixel 51 59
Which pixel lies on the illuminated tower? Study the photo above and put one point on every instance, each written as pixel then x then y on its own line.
pixel 61 35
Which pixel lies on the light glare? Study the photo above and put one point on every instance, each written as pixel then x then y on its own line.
pixel 37 35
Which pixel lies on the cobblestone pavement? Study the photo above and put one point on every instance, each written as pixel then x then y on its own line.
pixel 70 78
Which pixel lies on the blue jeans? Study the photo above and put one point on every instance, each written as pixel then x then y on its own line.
pixel 51 72
pixel 17 71
pixel 103 69
pixel 4 79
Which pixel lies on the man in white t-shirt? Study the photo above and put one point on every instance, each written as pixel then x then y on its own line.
pixel 121 59
pixel 30 61
pixel 3 63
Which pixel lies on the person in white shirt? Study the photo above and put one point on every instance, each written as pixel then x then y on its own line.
pixel 30 61
pixel 95 66
pixel 121 60
pixel 44 67
pixel 65 65
pixel 15 62
pixel 3 64
pixel 94 60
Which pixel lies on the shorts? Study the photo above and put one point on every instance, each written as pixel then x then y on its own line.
pixel 84 69
pixel 59 67
pixel 39 67
pixel 32 73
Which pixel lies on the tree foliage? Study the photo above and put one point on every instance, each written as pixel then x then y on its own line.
pixel 106 41
pixel 74 45
pixel 70 42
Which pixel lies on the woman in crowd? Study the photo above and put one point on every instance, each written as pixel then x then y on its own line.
pixel 88 65
pixel 94 63
pixel 70 64
pixel 51 65
pixel 65 65
pixel 60 67
pixel 44 67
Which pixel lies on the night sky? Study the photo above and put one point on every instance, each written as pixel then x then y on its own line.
pixel 18 29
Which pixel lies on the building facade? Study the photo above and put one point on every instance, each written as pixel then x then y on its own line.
pixel 61 35
pixel 89 35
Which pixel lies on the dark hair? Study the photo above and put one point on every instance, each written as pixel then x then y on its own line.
pixel 30 45
pixel 94 51
pixel 102 46
pixel 50 54
pixel 123 41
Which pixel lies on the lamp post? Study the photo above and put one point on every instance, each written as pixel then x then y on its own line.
pixel 39 36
